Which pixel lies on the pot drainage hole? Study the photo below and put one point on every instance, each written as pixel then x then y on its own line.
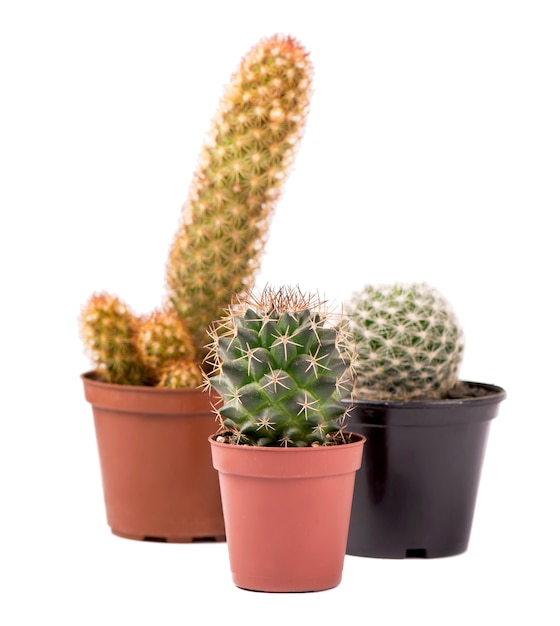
pixel 416 553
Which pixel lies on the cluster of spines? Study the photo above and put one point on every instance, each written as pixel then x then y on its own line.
pixel 408 339
pixel 282 368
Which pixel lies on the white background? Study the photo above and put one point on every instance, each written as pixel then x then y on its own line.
pixel 431 153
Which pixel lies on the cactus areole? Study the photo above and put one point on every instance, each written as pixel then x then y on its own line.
pixel 283 369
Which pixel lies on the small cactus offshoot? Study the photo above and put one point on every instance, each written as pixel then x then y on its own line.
pixel 282 366
pixel 110 332
pixel 409 342
pixel 180 373
pixel 163 339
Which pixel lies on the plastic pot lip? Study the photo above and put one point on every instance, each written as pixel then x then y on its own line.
pixel 428 412
pixel 90 378
pixel 357 440
pixel 495 395
pixel 287 463
pixel 147 401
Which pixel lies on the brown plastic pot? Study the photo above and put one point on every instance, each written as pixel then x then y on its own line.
pixel 286 512
pixel 416 493
pixel 156 467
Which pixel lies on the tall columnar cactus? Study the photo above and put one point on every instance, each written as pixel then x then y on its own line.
pixel 223 228
pixel 110 331
pixel 282 368
pixel 242 169
pixel 409 342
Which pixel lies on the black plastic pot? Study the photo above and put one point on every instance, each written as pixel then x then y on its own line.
pixel 416 492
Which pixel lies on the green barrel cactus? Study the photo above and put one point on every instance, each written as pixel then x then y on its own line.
pixel 409 342
pixel 282 369
pixel 243 167
pixel 224 225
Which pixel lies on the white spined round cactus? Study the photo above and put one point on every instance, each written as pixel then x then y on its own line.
pixel 409 342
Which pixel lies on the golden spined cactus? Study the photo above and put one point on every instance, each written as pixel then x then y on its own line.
pixel 109 331
pixel 243 166
pixel 167 347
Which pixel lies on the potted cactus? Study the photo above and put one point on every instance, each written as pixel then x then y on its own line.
pixel 426 430
pixel 152 418
pixel 286 465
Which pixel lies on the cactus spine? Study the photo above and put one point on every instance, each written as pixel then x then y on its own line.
pixel 409 342
pixel 282 369
pixel 242 168
pixel 224 224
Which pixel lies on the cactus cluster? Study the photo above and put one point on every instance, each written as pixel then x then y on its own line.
pixel 130 350
pixel 282 365
pixel 409 342
pixel 223 228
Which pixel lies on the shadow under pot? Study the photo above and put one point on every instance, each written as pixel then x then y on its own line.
pixel 416 493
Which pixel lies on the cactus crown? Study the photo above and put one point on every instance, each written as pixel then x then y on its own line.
pixel 223 229
pixel 282 365
pixel 409 342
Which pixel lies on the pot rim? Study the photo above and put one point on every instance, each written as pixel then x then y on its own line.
pixel 90 377
pixel 495 394
pixel 287 463
pixel 147 401
pixel 357 439
pixel 427 412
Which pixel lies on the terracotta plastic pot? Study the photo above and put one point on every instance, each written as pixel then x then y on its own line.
pixel 415 495
pixel 156 467
pixel 287 512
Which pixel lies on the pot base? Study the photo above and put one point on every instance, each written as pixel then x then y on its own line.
pixel 257 589
pixel 379 552
pixel 213 539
